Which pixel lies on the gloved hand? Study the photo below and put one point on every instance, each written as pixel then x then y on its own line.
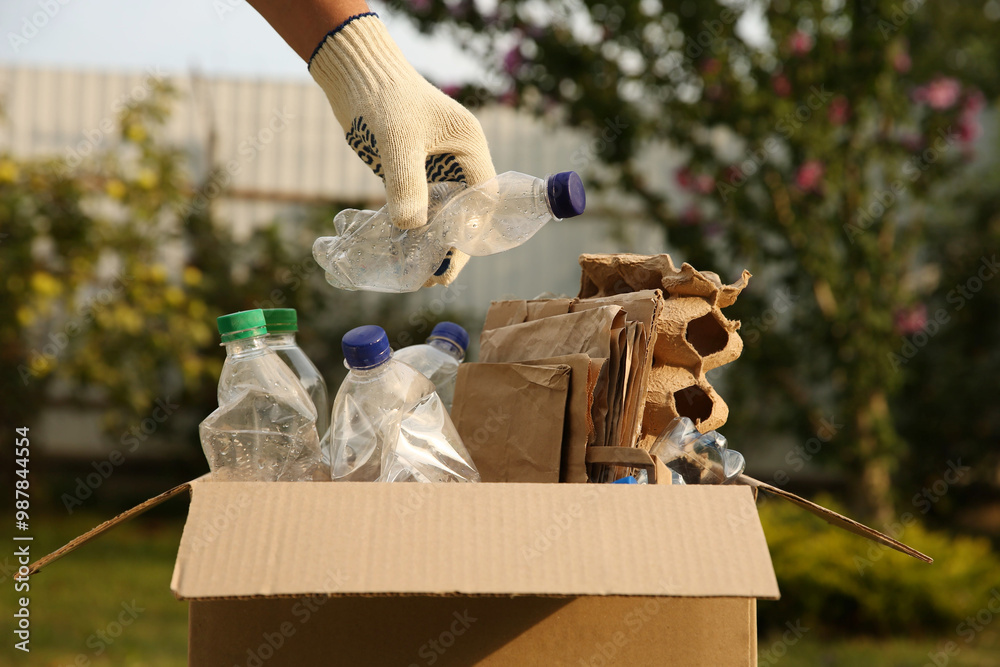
pixel 405 129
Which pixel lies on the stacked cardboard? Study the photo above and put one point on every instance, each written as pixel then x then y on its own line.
pixel 690 335
pixel 605 341
pixel 650 332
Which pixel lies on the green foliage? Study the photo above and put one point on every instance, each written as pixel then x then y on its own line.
pixel 843 583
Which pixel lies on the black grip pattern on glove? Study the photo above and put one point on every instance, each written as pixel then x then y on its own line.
pixel 363 141
pixel 440 168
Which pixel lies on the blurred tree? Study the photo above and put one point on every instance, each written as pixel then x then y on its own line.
pixel 815 131
pixel 91 301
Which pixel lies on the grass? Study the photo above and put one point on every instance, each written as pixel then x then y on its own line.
pixel 983 651
pixel 77 598
pixel 117 586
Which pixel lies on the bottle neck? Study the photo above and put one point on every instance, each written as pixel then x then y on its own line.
pixel 282 339
pixel 448 347
pixel 371 371
pixel 245 346
pixel 540 192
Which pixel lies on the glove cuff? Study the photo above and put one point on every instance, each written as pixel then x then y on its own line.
pixel 358 60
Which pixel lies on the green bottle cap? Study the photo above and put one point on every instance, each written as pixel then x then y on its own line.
pixel 244 324
pixel 281 320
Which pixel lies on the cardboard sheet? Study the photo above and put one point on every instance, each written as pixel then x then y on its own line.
pixel 606 275
pixel 511 418
pixel 284 538
pixel 599 398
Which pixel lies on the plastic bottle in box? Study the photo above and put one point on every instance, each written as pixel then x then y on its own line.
pixel 264 429
pixel 282 325
pixel 388 423
pixel 439 357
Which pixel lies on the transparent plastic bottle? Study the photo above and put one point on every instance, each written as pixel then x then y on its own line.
pixel 264 429
pixel 439 357
pixel 388 423
pixel 282 325
pixel 369 253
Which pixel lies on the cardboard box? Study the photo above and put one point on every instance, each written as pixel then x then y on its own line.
pixel 461 574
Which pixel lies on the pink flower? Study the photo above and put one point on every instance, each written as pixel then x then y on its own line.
pixel 420 5
pixel 700 183
pixel 513 60
pixel 911 141
pixel 969 128
pixel 901 61
pixel 690 217
pixel 839 110
pixel 713 229
pixel 974 101
pixel 781 85
pixel 684 178
pixel 941 93
pixel 710 66
pixel 509 98
pixel 809 177
pixel 458 10
pixel 704 183
pixel 451 90
pixel 800 43
pixel 910 320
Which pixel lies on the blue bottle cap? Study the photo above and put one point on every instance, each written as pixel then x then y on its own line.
pixel 365 347
pixel 626 480
pixel 451 332
pixel 567 198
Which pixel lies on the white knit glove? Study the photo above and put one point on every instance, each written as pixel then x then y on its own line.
pixel 405 129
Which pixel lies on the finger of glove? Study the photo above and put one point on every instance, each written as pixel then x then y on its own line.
pixel 406 188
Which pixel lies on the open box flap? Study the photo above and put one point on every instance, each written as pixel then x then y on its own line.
pixel 279 539
pixel 99 530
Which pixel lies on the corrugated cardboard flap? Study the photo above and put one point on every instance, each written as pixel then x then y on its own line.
pixel 282 539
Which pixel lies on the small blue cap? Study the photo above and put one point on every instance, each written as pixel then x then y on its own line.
pixel 565 193
pixel 626 480
pixel 365 347
pixel 451 331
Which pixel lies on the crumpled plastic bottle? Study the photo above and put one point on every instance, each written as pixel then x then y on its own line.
pixel 439 357
pixel 369 253
pixel 264 429
pixel 282 325
pixel 698 458
pixel 388 423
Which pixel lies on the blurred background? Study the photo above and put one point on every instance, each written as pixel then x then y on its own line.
pixel 163 165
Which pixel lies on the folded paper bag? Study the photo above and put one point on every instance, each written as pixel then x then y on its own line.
pixel 578 426
pixel 510 417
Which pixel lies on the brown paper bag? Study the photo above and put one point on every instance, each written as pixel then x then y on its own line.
pixel 578 425
pixel 586 332
pixel 511 419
